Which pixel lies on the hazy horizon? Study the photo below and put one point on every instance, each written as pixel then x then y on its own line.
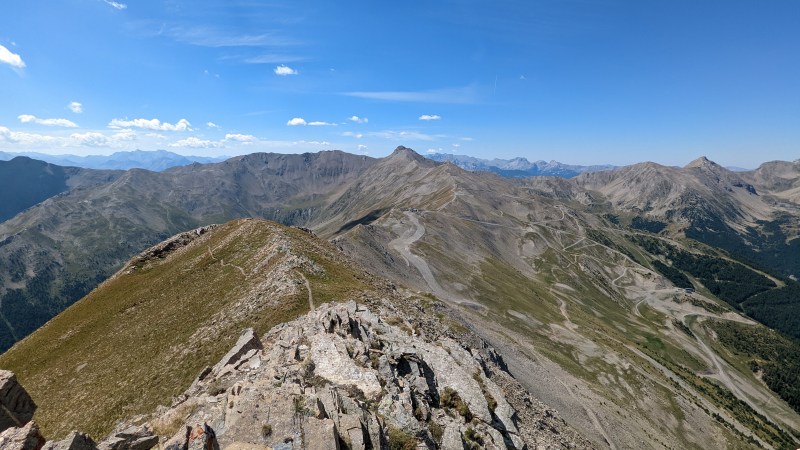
pixel 581 83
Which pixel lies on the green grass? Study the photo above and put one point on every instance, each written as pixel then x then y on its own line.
pixel 125 348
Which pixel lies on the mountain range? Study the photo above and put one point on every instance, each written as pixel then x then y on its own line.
pixel 517 167
pixel 651 306
pixel 156 160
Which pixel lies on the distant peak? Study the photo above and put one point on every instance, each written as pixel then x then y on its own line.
pixel 701 162
pixel 403 149
pixel 406 153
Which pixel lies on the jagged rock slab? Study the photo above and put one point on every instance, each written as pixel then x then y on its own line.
pixel 246 347
pixel 75 441
pixel 131 438
pixel 22 438
pixel 16 406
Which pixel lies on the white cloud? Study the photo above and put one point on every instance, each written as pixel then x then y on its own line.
pixel 151 124
pixel 12 59
pixel 321 124
pixel 240 137
pixel 296 121
pixel 16 137
pixel 90 139
pixel 75 107
pixel 433 151
pixel 430 117
pixel 456 145
pixel 116 5
pixel 124 135
pixel 362 148
pixel 468 139
pixel 96 139
pixel 27 118
pixel 211 125
pixel 193 142
pixel 156 135
pixel 284 70
pixel 357 119
pixel 352 134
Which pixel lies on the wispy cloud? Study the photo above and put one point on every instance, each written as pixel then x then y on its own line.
pixel 352 134
pixel 27 118
pixel 429 117
pixel 283 70
pixel 75 107
pixel 193 142
pixel 88 139
pixel 116 5
pixel 404 135
pixel 27 139
pixel 211 125
pixel 272 58
pixel 357 119
pixel 10 58
pixel 96 139
pixel 240 137
pixel 151 124
pixel 461 95
pixel 215 38
pixel 299 121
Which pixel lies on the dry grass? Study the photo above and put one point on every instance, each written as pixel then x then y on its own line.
pixel 142 338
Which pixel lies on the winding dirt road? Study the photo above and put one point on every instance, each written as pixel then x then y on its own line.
pixel 402 245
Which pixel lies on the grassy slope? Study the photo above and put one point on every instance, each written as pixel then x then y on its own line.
pixel 123 349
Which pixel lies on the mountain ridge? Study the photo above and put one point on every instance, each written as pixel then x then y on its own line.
pixel 155 160
pixel 516 167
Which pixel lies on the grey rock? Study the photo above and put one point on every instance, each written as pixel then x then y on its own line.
pixel 22 438
pixel 451 439
pixel 341 374
pixel 16 406
pixel 75 441
pixel 321 435
pixel 352 431
pixel 131 438
pixel 247 346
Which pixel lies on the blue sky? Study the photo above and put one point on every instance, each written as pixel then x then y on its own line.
pixel 579 81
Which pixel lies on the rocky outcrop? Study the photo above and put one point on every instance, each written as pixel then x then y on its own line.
pixel 339 377
pixel 27 437
pixel 164 249
pixel 16 406
pixel 345 377
pixel 246 347
pixel 130 438
pixel 21 433
pixel 75 441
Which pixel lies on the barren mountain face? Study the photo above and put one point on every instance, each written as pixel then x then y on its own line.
pixel 632 301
